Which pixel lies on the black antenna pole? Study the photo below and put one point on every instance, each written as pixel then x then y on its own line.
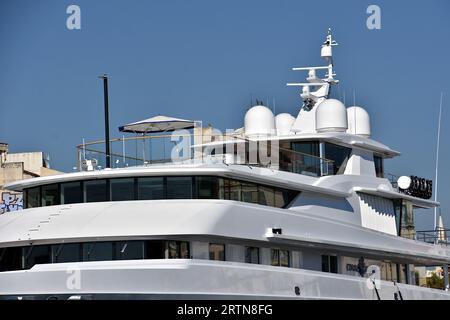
pixel 105 93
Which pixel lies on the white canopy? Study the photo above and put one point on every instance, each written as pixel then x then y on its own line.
pixel 157 124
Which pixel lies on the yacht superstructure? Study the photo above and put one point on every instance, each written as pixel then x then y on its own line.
pixel 283 208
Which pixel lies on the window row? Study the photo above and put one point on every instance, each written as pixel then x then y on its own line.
pixel 23 258
pixel 155 188
pixel 18 258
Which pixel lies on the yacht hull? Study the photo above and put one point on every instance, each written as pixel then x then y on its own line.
pixel 194 279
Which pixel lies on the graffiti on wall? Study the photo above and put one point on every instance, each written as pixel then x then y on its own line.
pixel 11 202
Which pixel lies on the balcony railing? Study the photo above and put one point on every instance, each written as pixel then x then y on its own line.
pixel 439 236
pixel 160 149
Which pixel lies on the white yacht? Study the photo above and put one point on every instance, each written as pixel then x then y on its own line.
pixel 284 208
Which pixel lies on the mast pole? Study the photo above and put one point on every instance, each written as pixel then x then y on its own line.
pixel 437 160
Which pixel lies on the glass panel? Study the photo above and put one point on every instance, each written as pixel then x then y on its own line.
pixel 71 193
pixel 249 192
pixel 155 249
pixel 173 249
pixel 284 258
pixel 36 255
pixel 151 188
pixel 339 155
pixel 333 264
pixel 179 187
pixel 70 252
pixel 284 197
pixel 33 197
pixel 208 187
pixel 216 251
pixel 10 259
pixel 235 190
pixel 308 147
pixel 379 170
pixel 98 251
pixel 96 190
pixel 184 250
pixel 224 188
pixel 122 189
pixel 50 195
pixel 252 255
pixel 299 161
pixel 275 257
pixel 266 196
pixel 325 263
pixel 129 250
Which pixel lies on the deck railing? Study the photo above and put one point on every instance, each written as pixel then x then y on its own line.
pixel 166 148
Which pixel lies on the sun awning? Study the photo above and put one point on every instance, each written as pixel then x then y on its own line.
pixel 157 124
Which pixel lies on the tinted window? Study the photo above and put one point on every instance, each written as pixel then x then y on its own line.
pixel 96 190
pixel 151 188
pixel 71 193
pixel 379 170
pixel 251 255
pixel 208 187
pixel 284 258
pixel 155 249
pixel 179 187
pixel 275 257
pixel 33 197
pixel 235 190
pixel 333 264
pixel 122 189
pixel 50 195
pixel 325 263
pixel 36 255
pixel 98 251
pixel 129 250
pixel 10 259
pixel 216 251
pixel 339 155
pixel 284 197
pixel 70 252
pixel 249 192
pixel 266 196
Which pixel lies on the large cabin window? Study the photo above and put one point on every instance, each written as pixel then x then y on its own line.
pixel 305 158
pixel 36 255
pixel 96 190
pixel 208 187
pixel 249 192
pixel 252 255
pixel 280 258
pixel 179 187
pixel 33 197
pixel 150 188
pixel 129 250
pixel 50 195
pixel 339 155
pixel 329 264
pixel 122 189
pixel 98 251
pixel 71 192
pixel 70 252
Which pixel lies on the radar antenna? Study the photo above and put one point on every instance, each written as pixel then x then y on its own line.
pixel 321 86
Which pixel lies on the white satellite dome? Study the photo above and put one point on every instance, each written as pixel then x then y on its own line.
pixel 358 121
pixel 259 121
pixel 331 116
pixel 283 124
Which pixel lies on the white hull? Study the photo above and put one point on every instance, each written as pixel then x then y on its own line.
pixel 194 279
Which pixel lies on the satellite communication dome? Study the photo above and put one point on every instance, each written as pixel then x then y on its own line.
pixel 331 116
pixel 358 121
pixel 259 121
pixel 283 123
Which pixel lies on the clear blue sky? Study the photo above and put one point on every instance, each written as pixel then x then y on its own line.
pixel 201 59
